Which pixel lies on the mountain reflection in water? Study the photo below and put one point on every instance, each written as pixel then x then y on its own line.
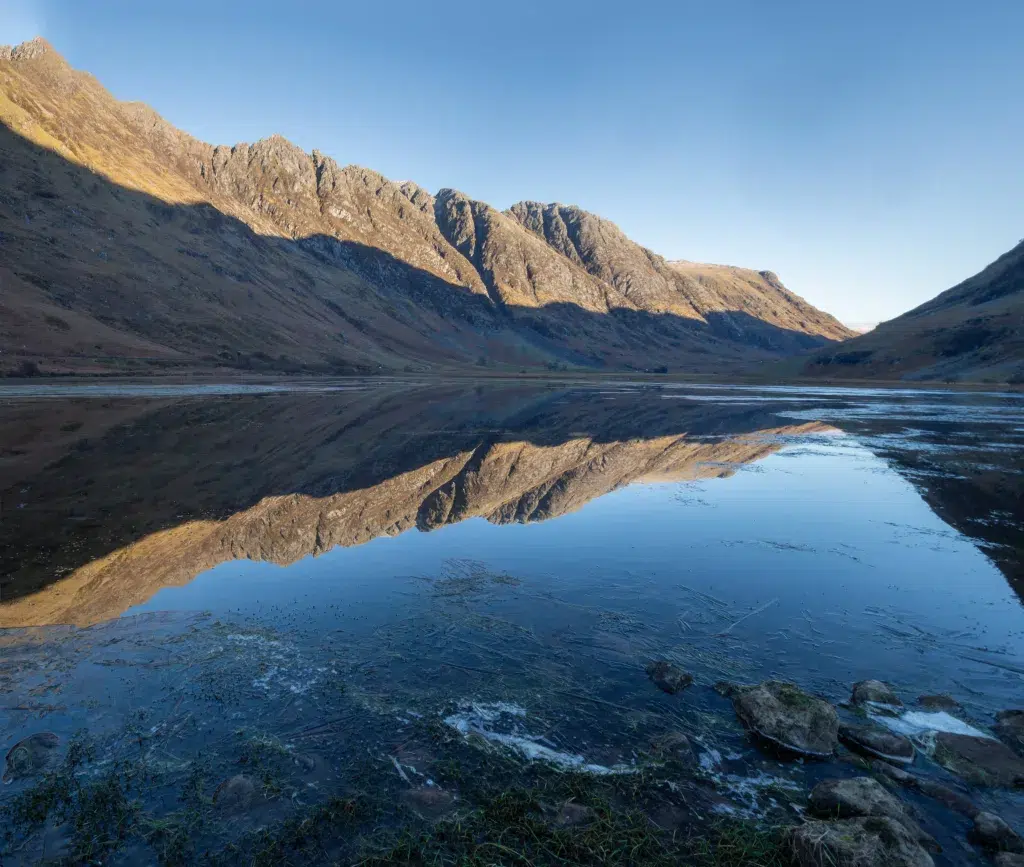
pixel 116 499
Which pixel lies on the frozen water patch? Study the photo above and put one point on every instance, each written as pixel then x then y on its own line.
pixel 753 793
pixel 919 725
pixel 501 723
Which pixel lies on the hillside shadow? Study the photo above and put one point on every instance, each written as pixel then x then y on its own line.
pixel 46 240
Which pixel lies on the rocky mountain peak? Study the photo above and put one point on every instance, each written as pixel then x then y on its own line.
pixel 31 50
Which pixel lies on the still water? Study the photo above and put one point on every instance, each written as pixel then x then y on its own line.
pixel 365 573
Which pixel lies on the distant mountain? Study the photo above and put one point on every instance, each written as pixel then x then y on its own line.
pixel 128 244
pixel 974 331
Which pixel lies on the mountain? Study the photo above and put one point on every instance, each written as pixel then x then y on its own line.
pixel 974 331
pixel 129 245
pixel 114 500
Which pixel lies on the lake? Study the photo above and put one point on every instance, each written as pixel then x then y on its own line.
pixel 379 606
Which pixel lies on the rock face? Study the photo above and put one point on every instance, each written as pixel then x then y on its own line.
pixel 31 756
pixel 861 797
pixel 876 841
pixel 991 832
pixel 973 331
pixel 875 692
pixel 668 677
pixel 979 761
pixel 1010 727
pixel 785 716
pixel 191 254
pixel 878 742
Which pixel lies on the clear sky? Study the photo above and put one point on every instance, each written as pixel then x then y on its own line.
pixel 868 152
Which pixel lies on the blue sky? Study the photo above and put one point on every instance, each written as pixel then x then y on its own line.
pixel 868 152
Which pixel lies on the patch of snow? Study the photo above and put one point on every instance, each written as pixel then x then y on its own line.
pixel 918 724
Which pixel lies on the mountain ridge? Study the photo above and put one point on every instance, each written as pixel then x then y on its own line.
pixel 388 274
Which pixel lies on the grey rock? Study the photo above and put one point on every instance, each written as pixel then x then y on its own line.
pixel 785 716
pixel 875 841
pixel 991 832
pixel 874 692
pixel 947 797
pixel 235 795
pixel 31 756
pixel 668 677
pixel 571 815
pixel 430 802
pixel 1008 859
pixel 1010 727
pixel 938 702
pixel 879 742
pixel 979 761
pixel 673 745
pixel 860 797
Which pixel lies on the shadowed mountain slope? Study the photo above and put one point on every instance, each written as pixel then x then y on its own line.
pixel 974 331
pixel 127 241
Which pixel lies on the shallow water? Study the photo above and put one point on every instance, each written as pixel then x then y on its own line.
pixel 336 568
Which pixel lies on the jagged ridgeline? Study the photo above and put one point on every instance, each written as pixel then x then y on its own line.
pixel 128 244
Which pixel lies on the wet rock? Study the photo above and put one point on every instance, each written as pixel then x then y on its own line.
pixel 991 832
pixel 1008 859
pixel 1010 727
pixel 875 692
pixel 572 814
pixel 236 794
pixel 430 802
pixel 979 761
pixel 878 742
pixel 668 677
pixel 947 797
pixel 938 702
pixel 875 841
pixel 787 717
pixel 726 688
pixel 861 797
pixel 31 756
pixel 673 745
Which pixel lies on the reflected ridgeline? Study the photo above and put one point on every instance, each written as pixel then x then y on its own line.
pixel 106 502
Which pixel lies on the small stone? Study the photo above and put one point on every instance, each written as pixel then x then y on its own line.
pixel 430 802
pixel 860 797
pixel 991 832
pixel 979 761
pixel 31 756
pixel 787 717
pixel 875 841
pixel 668 677
pixel 572 814
pixel 235 795
pixel 878 742
pixel 673 745
pixel 938 702
pixel 874 692
pixel 1010 727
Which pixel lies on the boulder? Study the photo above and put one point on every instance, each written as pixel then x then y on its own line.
pixel 878 742
pixel 668 677
pixel 874 692
pixel 938 702
pixel 1010 727
pixel 991 832
pixel 979 761
pixel 787 717
pixel 874 841
pixel 860 797
pixel 929 787
pixel 31 756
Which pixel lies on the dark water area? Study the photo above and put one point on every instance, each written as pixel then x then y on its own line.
pixel 417 596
